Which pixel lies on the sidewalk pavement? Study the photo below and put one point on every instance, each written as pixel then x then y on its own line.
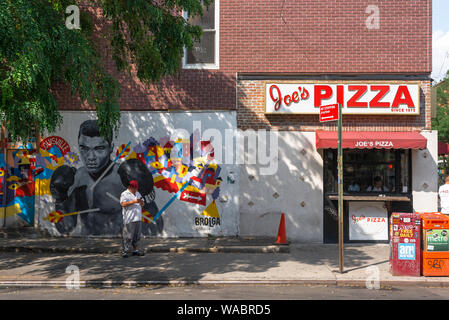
pixel 179 261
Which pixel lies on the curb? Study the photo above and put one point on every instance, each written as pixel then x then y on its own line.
pixel 385 285
pixel 218 249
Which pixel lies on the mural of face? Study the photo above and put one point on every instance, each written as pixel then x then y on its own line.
pixel 94 152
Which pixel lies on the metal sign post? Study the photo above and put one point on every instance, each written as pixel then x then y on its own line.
pixel 330 113
pixel 340 190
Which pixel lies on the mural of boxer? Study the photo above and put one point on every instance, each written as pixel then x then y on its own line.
pixel 78 188
pixel 96 186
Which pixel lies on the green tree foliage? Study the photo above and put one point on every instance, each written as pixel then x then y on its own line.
pixel 37 50
pixel 441 121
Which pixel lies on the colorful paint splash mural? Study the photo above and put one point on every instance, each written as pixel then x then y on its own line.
pixel 17 186
pixel 82 189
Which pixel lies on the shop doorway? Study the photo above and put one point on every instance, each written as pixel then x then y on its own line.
pixel 376 182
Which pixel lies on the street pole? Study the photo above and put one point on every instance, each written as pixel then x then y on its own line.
pixel 340 189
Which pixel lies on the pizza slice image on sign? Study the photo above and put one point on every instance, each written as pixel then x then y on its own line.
pixel 368 221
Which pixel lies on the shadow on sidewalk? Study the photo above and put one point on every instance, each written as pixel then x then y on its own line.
pixel 303 259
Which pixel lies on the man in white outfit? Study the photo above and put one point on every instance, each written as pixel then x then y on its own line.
pixel 443 192
pixel 132 203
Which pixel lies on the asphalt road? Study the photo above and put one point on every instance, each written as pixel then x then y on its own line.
pixel 226 292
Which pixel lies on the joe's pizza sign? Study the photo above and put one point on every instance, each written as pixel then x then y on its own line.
pixel 356 98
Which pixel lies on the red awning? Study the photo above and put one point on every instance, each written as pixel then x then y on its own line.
pixel 371 140
pixel 443 148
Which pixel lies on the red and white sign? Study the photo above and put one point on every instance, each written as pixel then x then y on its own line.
pixel 194 197
pixel 59 142
pixel 368 221
pixel 329 113
pixel 356 98
pixel 371 139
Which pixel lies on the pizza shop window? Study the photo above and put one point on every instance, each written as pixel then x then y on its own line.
pixel 205 53
pixel 383 171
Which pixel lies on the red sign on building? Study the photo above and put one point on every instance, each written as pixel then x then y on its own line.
pixel 59 142
pixel 329 112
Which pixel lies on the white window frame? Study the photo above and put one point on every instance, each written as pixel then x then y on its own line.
pixel 215 65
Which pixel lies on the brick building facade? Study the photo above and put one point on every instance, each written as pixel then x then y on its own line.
pixel 254 43
pixel 291 38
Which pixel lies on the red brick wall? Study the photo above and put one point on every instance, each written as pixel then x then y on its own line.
pixel 251 114
pixel 326 36
pixel 288 36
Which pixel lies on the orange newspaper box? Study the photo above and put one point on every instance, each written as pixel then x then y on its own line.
pixel 435 247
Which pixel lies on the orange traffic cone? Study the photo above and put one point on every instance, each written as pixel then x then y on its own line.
pixel 282 237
